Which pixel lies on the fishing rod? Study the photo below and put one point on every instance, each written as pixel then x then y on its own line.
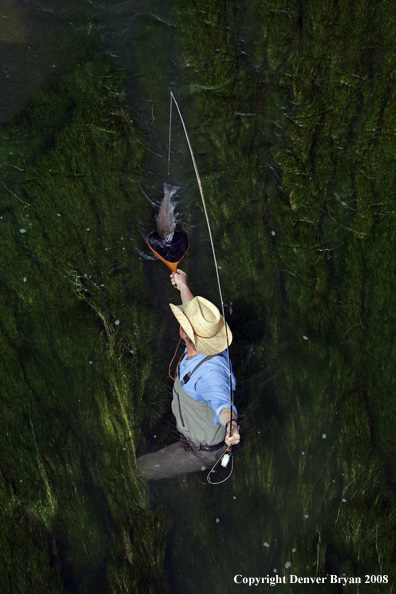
pixel 224 460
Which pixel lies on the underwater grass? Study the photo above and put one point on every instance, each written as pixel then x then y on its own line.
pixel 291 114
pixel 295 115
pixel 76 343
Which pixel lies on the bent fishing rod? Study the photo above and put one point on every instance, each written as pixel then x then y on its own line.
pixel 223 460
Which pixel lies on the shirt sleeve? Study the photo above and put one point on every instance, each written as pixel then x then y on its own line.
pixel 213 387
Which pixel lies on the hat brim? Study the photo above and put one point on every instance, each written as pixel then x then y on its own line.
pixel 178 312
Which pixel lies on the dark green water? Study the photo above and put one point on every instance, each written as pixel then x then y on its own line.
pixel 290 108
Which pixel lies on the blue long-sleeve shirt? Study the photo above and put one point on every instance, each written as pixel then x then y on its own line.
pixel 210 383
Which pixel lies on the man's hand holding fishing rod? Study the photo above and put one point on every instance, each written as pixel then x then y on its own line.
pixel 226 416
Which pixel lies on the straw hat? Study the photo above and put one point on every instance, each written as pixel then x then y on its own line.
pixel 203 324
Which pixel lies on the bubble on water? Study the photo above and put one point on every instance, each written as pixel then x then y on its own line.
pixel 287 564
pixel 266 544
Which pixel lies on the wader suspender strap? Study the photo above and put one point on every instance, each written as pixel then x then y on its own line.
pixel 189 374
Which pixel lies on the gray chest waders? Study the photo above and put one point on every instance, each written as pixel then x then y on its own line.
pixel 194 419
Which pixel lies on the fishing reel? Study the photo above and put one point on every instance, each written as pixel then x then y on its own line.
pixel 226 457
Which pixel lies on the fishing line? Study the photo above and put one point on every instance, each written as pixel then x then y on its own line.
pixel 172 97
pixel 170 133
pixel 213 470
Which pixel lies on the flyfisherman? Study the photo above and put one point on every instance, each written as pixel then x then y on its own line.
pixel 201 391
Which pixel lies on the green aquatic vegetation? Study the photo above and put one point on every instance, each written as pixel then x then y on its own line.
pixel 76 353
pixel 301 208
pixel 291 114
